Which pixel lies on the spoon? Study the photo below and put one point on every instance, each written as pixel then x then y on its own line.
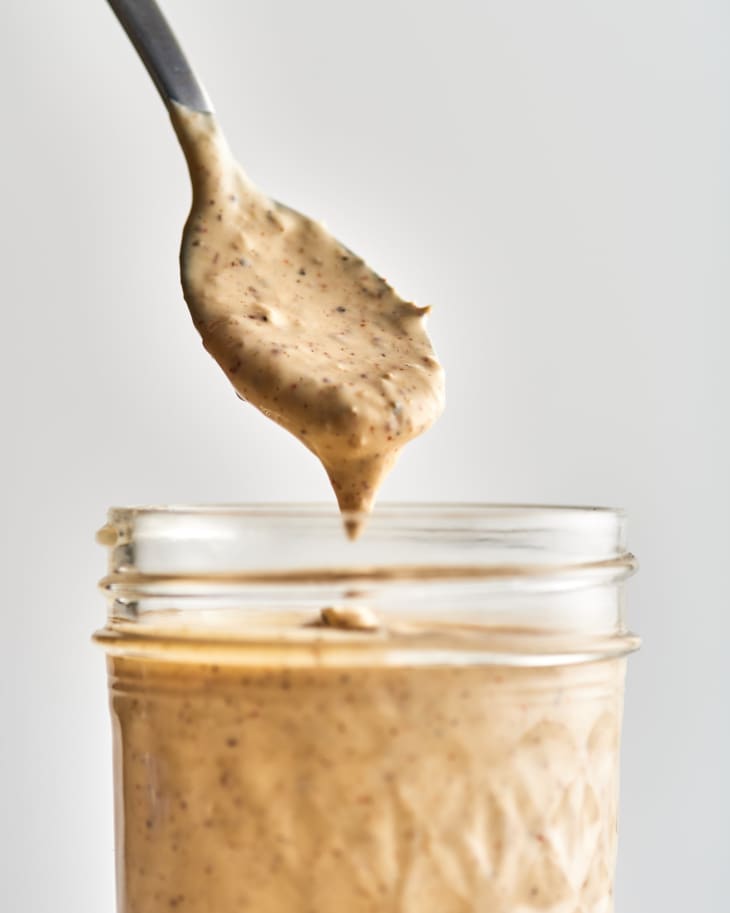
pixel 302 327
pixel 154 41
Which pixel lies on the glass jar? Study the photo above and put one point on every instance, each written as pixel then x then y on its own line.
pixel 424 721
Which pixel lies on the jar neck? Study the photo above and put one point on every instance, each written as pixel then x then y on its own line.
pixel 526 584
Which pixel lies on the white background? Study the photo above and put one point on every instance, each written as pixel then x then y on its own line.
pixel 552 176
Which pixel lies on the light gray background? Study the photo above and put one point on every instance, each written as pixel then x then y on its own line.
pixel 552 176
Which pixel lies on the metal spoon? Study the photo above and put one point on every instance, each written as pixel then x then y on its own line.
pixel 161 54
pixel 302 327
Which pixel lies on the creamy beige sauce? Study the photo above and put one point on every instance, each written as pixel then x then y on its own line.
pixel 244 785
pixel 302 327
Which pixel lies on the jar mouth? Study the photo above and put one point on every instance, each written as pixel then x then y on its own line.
pixel 393 517
pixel 410 509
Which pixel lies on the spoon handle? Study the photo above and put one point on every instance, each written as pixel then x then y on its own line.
pixel 156 44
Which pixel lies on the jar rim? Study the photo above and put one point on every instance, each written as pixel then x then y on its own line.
pixel 385 508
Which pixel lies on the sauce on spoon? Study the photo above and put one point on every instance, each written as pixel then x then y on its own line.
pixel 302 327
